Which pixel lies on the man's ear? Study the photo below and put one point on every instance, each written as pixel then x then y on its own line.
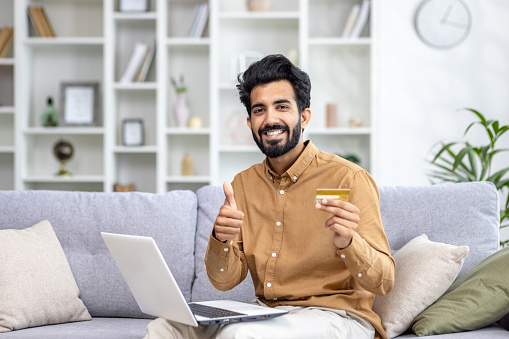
pixel 249 122
pixel 305 116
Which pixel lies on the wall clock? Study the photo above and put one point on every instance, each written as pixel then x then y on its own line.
pixel 443 24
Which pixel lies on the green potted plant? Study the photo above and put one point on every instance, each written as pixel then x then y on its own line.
pixel 460 161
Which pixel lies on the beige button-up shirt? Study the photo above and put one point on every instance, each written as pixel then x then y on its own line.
pixel 290 254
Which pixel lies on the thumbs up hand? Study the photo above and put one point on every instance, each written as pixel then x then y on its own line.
pixel 230 219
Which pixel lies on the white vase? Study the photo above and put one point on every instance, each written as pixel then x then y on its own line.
pixel 181 110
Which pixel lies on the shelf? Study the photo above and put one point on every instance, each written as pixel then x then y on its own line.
pixel 7 110
pixel 135 149
pixel 187 131
pixel 65 41
pixel 135 16
pixel 7 61
pixel 188 179
pixel 188 41
pixel 7 149
pixel 64 130
pixel 340 41
pixel 259 15
pixel 135 86
pixel 72 179
pixel 228 85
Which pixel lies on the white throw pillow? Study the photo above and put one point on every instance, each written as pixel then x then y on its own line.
pixel 36 283
pixel 424 271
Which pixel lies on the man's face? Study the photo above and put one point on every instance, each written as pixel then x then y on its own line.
pixel 275 120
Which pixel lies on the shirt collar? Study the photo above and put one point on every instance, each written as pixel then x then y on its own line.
pixel 298 167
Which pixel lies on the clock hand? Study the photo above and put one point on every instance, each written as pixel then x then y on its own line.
pixel 454 24
pixel 446 14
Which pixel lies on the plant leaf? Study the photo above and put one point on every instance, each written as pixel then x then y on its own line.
pixel 473 162
pixel 498 175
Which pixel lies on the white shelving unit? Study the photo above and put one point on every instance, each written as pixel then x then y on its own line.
pixel 8 108
pixel 94 42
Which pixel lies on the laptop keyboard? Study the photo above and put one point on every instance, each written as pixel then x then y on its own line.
pixel 212 312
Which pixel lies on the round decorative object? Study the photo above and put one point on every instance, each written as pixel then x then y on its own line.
pixel 443 24
pixel 195 122
pixel 63 151
pixel 258 5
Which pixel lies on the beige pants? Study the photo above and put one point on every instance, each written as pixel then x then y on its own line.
pixel 300 322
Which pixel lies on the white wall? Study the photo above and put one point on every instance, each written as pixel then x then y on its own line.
pixel 420 89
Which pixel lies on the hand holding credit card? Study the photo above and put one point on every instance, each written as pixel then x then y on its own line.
pixel 332 194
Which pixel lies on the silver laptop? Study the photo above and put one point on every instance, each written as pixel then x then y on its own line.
pixel 153 286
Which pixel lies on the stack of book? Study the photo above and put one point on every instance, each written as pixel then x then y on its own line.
pixel 139 64
pixel 201 15
pixel 6 36
pixel 356 20
pixel 40 22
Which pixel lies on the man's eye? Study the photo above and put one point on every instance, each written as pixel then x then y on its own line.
pixel 282 107
pixel 257 110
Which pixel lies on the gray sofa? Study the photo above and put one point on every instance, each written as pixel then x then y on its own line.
pixel 181 221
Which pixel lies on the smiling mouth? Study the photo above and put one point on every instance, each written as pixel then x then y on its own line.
pixel 274 133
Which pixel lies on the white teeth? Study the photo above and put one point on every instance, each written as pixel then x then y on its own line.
pixel 272 133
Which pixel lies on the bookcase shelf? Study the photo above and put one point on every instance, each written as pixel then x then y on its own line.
pixel 94 42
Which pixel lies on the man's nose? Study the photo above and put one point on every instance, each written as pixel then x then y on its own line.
pixel 271 117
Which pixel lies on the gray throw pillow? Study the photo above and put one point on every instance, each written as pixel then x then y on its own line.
pixel 37 286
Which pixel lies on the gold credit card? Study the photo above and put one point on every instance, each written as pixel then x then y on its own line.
pixel 332 194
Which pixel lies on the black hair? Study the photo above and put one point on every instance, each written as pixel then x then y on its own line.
pixel 272 68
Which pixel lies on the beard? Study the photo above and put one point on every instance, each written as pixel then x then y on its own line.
pixel 277 148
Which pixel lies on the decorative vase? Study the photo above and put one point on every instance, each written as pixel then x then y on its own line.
pixel 187 165
pixel 181 110
pixel 258 5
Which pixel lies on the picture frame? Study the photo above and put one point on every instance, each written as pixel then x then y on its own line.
pixel 79 104
pixel 132 5
pixel 133 132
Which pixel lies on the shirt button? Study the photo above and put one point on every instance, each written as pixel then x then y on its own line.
pixel 295 177
pixel 274 299
pixel 226 249
pixel 343 256
pixel 359 275
pixel 269 284
pixel 278 223
pixel 274 255
pixel 231 242
pixel 222 269
pixel 281 192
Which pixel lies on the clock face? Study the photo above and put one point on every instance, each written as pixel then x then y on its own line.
pixel 443 24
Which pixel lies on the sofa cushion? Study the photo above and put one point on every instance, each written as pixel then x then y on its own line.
pixel 447 213
pixel 210 199
pixel 78 218
pixel 36 283
pixel 424 271
pixel 477 299
pixel 97 328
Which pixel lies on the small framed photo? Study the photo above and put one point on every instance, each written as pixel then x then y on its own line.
pixel 133 5
pixel 132 132
pixel 80 104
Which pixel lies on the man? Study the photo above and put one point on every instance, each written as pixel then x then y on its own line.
pixel 322 262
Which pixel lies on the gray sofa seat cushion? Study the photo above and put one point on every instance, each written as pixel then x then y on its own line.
pixel 97 328
pixel 210 199
pixel 456 214
pixel 79 217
